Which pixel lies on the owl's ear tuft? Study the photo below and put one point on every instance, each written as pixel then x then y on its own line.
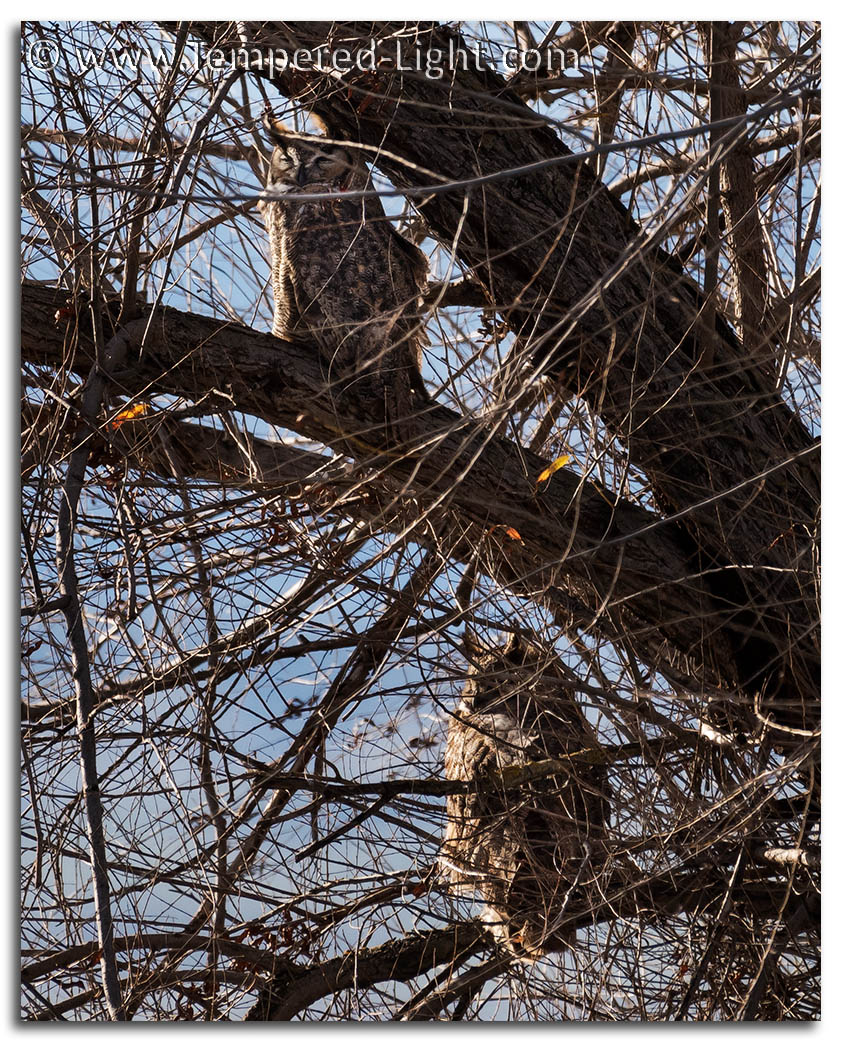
pixel 320 123
pixel 277 131
pixel 334 133
pixel 515 650
pixel 472 647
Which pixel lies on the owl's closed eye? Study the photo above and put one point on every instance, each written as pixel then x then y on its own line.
pixel 300 161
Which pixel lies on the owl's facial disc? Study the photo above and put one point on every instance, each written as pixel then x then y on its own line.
pixel 301 166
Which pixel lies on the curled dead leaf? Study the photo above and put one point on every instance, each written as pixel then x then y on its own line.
pixel 133 412
pixel 548 472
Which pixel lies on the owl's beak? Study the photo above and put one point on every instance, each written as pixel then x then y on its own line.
pixel 301 175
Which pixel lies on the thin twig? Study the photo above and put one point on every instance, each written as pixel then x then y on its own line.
pixel 114 355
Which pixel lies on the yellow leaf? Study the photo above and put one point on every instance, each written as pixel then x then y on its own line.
pixel 546 474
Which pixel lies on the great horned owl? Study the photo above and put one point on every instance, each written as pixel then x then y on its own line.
pixel 525 848
pixel 343 278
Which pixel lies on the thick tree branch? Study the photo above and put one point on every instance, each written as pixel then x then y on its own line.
pixel 610 557
pixel 296 988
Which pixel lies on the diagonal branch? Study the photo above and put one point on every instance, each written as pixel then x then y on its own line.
pixel 619 560
pixel 295 988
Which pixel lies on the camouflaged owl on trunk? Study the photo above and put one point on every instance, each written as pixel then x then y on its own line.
pixel 344 279
pixel 527 850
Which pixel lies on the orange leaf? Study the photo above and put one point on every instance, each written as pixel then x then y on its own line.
pixel 132 413
pixel 512 533
pixel 92 960
pixel 546 474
